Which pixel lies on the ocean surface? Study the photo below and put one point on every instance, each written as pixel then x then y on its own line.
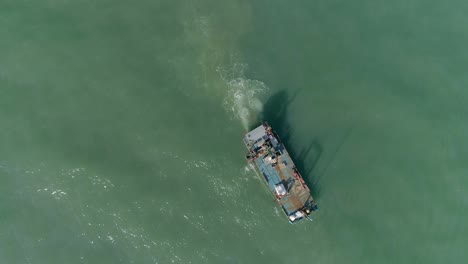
pixel 121 126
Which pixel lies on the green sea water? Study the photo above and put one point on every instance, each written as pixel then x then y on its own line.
pixel 121 126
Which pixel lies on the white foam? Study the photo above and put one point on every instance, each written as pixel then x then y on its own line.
pixel 242 97
pixel 57 194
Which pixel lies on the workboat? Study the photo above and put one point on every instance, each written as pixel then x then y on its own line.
pixel 274 165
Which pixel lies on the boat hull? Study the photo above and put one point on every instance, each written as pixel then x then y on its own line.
pixel 275 166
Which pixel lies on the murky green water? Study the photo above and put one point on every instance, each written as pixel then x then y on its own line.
pixel 121 126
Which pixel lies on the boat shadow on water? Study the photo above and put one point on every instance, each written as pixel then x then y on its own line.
pixel 306 158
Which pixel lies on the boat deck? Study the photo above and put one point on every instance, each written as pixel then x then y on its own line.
pixel 298 192
pixel 274 164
